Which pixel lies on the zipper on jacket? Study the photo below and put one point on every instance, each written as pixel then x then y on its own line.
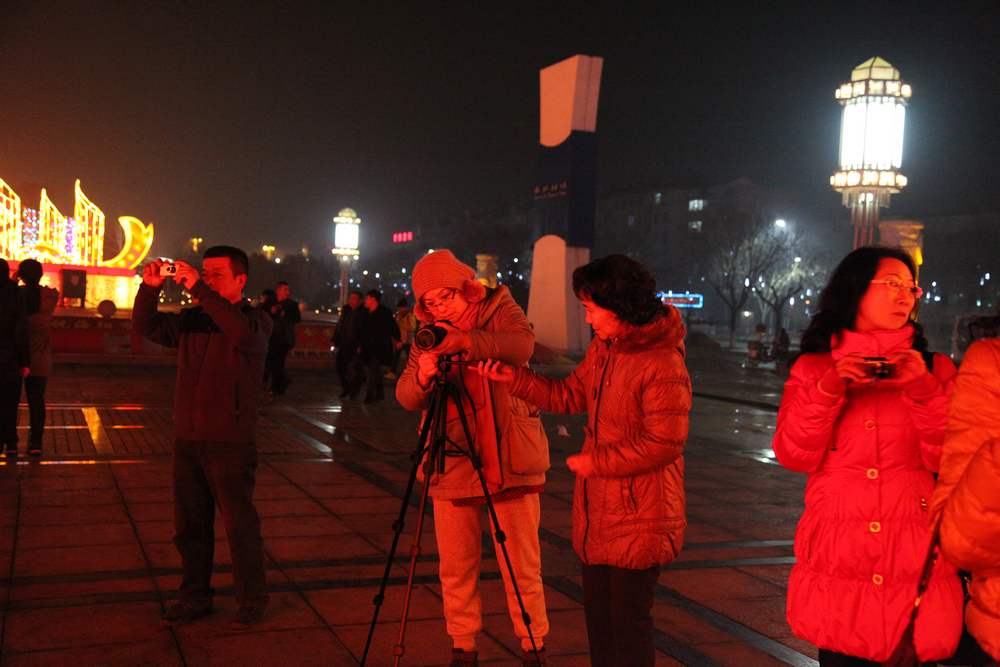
pixel 597 412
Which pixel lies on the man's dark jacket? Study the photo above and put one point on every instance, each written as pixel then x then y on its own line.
pixel 291 316
pixel 347 334
pixel 219 366
pixel 378 330
pixel 14 354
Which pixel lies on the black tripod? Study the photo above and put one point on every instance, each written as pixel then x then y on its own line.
pixel 435 445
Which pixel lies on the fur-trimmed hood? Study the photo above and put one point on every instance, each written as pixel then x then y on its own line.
pixel 666 331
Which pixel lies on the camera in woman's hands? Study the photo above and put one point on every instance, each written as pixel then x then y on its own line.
pixel 879 368
pixel 168 270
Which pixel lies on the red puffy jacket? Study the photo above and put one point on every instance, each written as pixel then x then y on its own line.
pixel 637 395
pixel 861 542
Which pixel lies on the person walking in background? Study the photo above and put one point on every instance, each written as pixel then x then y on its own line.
pixel 14 358
pixel 39 304
pixel 508 436
pixel 628 503
pixel 967 497
pixel 378 333
pixel 288 312
pixel 406 321
pixel 863 415
pixel 222 344
pixel 347 340
pixel 268 304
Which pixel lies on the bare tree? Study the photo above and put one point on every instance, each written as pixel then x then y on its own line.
pixel 745 247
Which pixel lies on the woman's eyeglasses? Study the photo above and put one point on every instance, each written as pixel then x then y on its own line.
pixel 900 286
pixel 442 301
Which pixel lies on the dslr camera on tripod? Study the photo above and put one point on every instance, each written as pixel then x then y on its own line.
pixel 429 336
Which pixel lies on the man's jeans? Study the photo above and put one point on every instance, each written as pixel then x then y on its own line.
pixel 207 474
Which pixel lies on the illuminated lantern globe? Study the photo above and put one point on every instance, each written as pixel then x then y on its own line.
pixel 72 246
pixel 871 143
pixel 346 244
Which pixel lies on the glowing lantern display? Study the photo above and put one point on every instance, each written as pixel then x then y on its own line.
pixel 871 143
pixel 346 243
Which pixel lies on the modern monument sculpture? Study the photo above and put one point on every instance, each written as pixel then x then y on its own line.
pixel 565 198
pixel 871 143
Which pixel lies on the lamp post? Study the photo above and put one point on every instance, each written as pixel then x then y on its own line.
pixel 268 251
pixel 347 226
pixel 871 143
pixel 195 242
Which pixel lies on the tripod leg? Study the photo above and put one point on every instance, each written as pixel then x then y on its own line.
pixel 439 433
pixel 398 525
pixel 498 534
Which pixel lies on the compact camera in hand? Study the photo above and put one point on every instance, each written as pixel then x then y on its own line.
pixel 168 270
pixel 879 368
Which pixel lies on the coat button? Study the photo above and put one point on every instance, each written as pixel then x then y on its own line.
pixel 877 579
pixel 872 473
pixel 869 424
pixel 875 526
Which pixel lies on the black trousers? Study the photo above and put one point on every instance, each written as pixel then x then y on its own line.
pixel 274 367
pixel 834 659
pixel 10 397
pixel 375 383
pixel 618 604
pixel 206 475
pixel 346 359
pixel 34 389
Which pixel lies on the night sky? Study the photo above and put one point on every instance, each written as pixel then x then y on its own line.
pixel 251 124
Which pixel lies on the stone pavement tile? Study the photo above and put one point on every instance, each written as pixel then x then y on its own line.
pixel 558 561
pixel 285 611
pixel 289 507
pixel 567 632
pixel 428 544
pixel 345 490
pixel 156 531
pixel 300 646
pixel 702 531
pixel 382 523
pixel 352 606
pixel 738 654
pixel 278 492
pixel 302 526
pixel 292 549
pixel 35 537
pixel 40 589
pixel 148 474
pixel 148 494
pixel 332 575
pixel 64 627
pixel 427 643
pixel 766 615
pixel 160 652
pixel 50 498
pixel 73 515
pixel 371 505
pixel 161 511
pixel 683 626
pixel 776 574
pixel 75 560
pixel 717 584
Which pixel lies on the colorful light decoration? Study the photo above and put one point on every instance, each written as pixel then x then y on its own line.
pixel 53 238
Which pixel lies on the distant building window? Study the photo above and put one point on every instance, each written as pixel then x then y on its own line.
pixel 694 226
pixel 696 204
pixel 658 198
pixel 631 221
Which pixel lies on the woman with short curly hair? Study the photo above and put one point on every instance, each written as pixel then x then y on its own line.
pixel 628 504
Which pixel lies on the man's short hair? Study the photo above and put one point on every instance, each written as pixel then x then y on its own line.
pixel 282 283
pixel 238 261
pixel 403 302
pixel 356 291
pixel 375 294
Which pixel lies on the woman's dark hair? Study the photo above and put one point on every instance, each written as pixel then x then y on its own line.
pixel 621 285
pixel 30 271
pixel 268 297
pixel 838 304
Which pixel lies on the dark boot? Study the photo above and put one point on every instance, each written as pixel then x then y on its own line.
pixel 531 659
pixel 462 658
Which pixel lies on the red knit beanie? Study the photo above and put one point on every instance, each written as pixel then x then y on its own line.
pixel 441 269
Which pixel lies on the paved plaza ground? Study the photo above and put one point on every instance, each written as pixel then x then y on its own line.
pixel 88 563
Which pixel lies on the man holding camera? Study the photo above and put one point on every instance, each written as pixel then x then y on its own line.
pixel 222 345
pixel 474 324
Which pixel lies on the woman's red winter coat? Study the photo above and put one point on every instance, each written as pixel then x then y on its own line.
pixel 861 542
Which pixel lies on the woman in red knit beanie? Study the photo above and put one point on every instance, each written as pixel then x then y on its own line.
pixel 508 436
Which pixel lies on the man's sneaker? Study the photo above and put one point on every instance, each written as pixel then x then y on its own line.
pixel 34 450
pixel 247 617
pixel 462 658
pixel 180 613
pixel 529 659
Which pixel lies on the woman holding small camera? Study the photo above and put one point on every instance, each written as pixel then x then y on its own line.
pixel 863 415
pixel 479 323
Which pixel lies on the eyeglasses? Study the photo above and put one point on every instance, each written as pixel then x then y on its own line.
pixel 900 286
pixel 444 300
